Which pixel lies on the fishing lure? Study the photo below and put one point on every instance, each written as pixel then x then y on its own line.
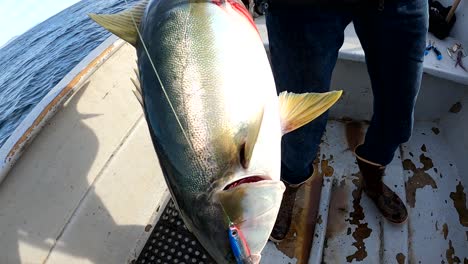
pixel 459 61
pixel 239 245
pixel 457 53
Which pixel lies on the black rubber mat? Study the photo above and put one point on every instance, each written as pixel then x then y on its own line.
pixel 171 242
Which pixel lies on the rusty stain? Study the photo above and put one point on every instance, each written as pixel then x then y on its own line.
pixel 436 130
pixel 358 214
pixel 420 178
pixel 319 220
pixel 354 134
pixel 338 209
pixel 423 148
pixel 148 228
pixel 65 91
pixel 450 254
pixel 456 108
pixel 459 201
pixel 445 230
pixel 362 230
pixel 426 161
pixel 327 170
pixel 400 257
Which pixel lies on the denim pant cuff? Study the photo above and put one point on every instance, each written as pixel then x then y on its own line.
pixel 380 157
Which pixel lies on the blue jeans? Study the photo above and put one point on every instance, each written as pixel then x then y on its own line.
pixel 304 44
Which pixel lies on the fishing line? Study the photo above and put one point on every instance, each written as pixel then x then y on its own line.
pixel 169 101
pixel 226 215
pixel 160 82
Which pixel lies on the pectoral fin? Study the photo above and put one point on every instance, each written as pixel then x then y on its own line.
pixel 297 110
pixel 123 24
pixel 252 135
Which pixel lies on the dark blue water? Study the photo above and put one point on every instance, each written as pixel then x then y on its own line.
pixel 32 64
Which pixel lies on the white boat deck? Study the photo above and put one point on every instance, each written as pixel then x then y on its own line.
pixel 425 175
pixel 89 184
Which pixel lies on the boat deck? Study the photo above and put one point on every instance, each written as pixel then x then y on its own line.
pixel 89 189
pixel 350 229
pixel 423 174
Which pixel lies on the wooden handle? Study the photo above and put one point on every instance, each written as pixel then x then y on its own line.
pixel 452 10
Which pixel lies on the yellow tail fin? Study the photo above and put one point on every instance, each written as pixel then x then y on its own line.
pixel 297 110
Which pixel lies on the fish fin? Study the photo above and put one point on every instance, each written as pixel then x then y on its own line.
pixel 137 91
pixel 297 110
pixel 138 97
pixel 122 24
pixel 136 83
pixel 251 139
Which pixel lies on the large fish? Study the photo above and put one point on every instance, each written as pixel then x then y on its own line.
pixel 214 116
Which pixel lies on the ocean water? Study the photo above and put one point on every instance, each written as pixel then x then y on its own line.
pixel 33 63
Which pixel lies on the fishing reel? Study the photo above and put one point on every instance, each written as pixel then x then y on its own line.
pixel 256 7
pixel 260 6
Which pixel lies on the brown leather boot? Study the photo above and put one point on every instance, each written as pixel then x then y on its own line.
pixel 283 221
pixel 387 201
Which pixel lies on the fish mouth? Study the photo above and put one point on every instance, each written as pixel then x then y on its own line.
pixel 252 204
pixel 246 180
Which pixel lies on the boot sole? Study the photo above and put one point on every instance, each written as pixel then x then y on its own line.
pixel 274 240
pixel 395 221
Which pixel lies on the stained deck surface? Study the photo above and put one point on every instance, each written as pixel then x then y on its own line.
pixel 422 173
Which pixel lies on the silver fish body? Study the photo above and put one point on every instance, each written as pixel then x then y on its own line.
pixel 214 117
pixel 213 66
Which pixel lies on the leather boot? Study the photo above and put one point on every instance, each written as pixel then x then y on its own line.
pixel 283 221
pixel 387 201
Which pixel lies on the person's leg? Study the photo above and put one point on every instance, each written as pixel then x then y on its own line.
pixel 393 40
pixel 304 44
